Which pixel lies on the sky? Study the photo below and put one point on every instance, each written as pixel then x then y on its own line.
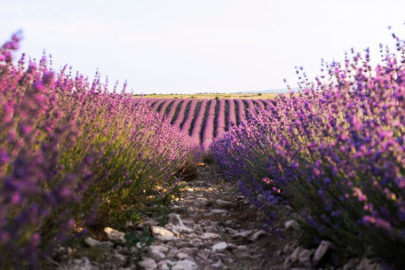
pixel 192 46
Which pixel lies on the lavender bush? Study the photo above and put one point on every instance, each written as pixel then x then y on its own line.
pixel 63 137
pixel 335 152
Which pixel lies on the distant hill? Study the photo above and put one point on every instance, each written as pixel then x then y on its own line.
pixel 270 91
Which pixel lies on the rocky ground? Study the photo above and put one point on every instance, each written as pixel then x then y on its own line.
pixel 210 227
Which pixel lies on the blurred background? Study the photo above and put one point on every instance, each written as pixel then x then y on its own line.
pixel 183 46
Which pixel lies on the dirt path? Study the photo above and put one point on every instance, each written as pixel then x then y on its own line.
pixel 210 227
pixel 221 229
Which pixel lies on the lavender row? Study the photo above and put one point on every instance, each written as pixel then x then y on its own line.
pixel 156 105
pixel 190 116
pixel 231 113
pixel 221 125
pixel 173 109
pixel 258 105
pixel 251 107
pixel 267 103
pixel 198 121
pixel 72 154
pixel 208 133
pixel 164 106
pixel 181 114
pixel 241 111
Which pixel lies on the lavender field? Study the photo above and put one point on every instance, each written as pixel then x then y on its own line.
pixel 205 119
pixel 75 156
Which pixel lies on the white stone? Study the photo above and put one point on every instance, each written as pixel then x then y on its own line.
pixel 161 248
pixel 181 255
pixel 178 223
pixel 305 257
pixel 165 238
pixel 188 222
pixel 218 211
pixel 219 247
pixel 155 253
pixel 192 235
pixel 77 261
pixel 91 242
pixel 230 230
pixel 218 264
pixel 185 265
pixel 147 264
pixel 242 247
pixel 321 251
pixel 242 233
pixel 222 202
pixel 172 228
pixel 209 235
pixel 291 224
pixel 94 243
pixel 229 221
pixel 114 235
pixel 296 252
pixel 257 234
pixel 82 264
pixel 156 230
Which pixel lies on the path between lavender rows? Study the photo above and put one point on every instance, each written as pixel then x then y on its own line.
pixel 210 227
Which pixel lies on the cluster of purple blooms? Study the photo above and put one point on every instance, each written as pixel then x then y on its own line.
pixel 71 152
pixel 206 119
pixel 334 152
